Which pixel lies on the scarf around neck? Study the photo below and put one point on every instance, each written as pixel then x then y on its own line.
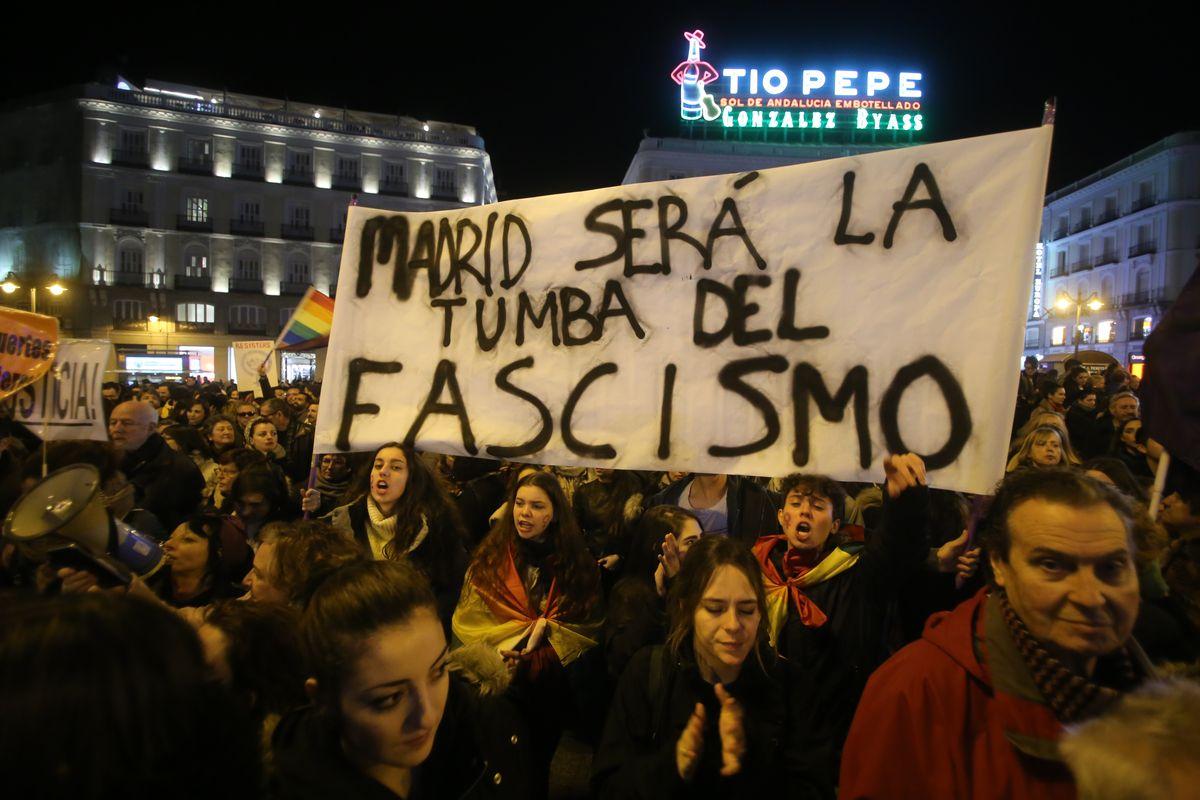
pixel 1069 695
pixel 381 532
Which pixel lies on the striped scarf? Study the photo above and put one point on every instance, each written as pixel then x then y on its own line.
pixel 1070 696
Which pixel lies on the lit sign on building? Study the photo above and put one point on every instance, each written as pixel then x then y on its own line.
pixel 1039 268
pixel 746 95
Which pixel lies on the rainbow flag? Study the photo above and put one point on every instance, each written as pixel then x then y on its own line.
pixel 310 324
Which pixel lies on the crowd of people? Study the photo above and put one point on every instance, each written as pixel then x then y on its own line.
pixel 401 624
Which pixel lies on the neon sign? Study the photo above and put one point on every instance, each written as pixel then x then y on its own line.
pixel 801 99
pixel 1039 270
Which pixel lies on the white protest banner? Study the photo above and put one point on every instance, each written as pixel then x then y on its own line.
pixel 248 357
pixel 811 317
pixel 65 403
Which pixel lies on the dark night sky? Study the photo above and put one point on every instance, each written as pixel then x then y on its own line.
pixel 562 101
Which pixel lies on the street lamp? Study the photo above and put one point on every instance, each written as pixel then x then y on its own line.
pixel 10 285
pixel 1065 301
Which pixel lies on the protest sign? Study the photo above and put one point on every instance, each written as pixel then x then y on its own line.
pixel 811 317
pixel 65 403
pixel 27 343
pixel 248 357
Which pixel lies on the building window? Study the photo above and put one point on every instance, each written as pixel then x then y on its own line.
pixel 248 267
pixel 1058 334
pixel 347 167
pixel 299 161
pixel 130 260
pixel 1141 327
pixel 446 178
pixel 249 155
pixel 1085 218
pixel 1106 331
pixel 285 315
pixel 127 310
pixel 248 210
pixel 297 270
pixel 195 265
pixel 133 140
pixel 1145 195
pixel 18 259
pixel 194 312
pixel 1061 268
pixel 199 149
pixel 1085 333
pixel 132 200
pixel 393 172
pixel 298 216
pixel 1110 208
pixel 1033 337
pixel 1109 250
pixel 1060 227
pixel 247 315
pixel 196 209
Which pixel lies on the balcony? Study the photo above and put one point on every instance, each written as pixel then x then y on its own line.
pixel 300 232
pixel 348 181
pixel 129 216
pixel 337 235
pixel 1059 233
pixel 293 288
pixel 129 325
pixel 184 223
pixel 252 285
pixel 248 170
pixel 1142 249
pixel 194 165
pixel 1138 298
pixel 259 328
pixel 1081 265
pixel 1108 216
pixel 1142 203
pixel 139 278
pixel 394 187
pixel 195 327
pixel 246 227
pixel 446 193
pixel 298 176
pixel 1109 257
pixel 130 158
pixel 202 283
pixel 1082 225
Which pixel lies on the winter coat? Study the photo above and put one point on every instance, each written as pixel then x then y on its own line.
pixel 828 666
pixel 750 508
pixel 479 751
pixel 441 555
pixel 165 483
pixel 653 702
pixel 956 714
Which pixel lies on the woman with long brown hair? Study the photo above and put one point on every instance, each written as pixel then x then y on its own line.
pixel 533 593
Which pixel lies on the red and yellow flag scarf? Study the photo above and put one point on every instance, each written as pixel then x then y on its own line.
pixel 780 589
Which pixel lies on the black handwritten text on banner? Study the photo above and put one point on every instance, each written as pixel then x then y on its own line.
pixel 809 317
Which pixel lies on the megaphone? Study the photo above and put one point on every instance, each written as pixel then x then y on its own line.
pixel 63 520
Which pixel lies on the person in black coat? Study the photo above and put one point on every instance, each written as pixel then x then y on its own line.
pixel 748 509
pixel 166 483
pixel 388 719
pixel 705 715
pixel 833 601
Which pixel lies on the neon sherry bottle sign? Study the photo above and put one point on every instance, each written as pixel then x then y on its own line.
pixel 799 99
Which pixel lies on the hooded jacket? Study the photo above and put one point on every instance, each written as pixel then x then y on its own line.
pixel 956 714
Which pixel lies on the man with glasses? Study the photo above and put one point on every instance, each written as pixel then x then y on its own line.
pixel 165 483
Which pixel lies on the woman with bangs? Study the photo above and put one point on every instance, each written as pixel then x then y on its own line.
pixel 1045 447
pixel 532 594
pixel 404 512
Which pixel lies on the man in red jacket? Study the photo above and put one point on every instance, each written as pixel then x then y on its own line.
pixel 976 707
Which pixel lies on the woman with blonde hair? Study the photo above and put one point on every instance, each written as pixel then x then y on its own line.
pixel 1044 447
